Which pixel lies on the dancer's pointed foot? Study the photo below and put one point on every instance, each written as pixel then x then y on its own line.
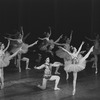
pixel 28 68
pixel 73 92
pixel 96 72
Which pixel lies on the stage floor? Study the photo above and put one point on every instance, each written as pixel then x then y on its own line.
pixel 22 86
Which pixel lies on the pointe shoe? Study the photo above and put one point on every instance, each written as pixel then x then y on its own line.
pixel 73 92
pixel 1 86
pixel 96 72
pixel 57 88
pixel 27 68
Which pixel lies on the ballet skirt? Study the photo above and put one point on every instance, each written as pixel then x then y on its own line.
pixel 96 51
pixel 23 46
pixel 5 60
pixel 47 45
pixel 51 44
pixel 43 46
pixel 62 54
pixel 75 66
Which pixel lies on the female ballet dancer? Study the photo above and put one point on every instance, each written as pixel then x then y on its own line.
pixel 76 64
pixel 48 74
pixel 48 44
pixel 5 58
pixel 96 51
pixel 20 43
pixel 62 54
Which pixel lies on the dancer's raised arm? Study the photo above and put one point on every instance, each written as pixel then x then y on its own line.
pixel 32 44
pixel 22 35
pixel 66 51
pixel 71 36
pixel 40 67
pixel 79 48
pixel 59 38
pixel 26 36
pixel 50 31
pixel 7 46
pixel 90 39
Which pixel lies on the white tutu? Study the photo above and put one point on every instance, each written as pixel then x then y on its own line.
pixel 69 67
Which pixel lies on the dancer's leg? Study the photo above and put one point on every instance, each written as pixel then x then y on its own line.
pixel 57 79
pixel 86 56
pixel 44 84
pixel 2 78
pixel 18 64
pixel 96 65
pixel 27 62
pixel 74 82
pixel 56 71
pixel 67 75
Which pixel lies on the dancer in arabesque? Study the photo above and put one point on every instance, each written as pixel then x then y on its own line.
pixel 76 63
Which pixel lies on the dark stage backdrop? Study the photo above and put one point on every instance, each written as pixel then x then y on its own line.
pixel 81 16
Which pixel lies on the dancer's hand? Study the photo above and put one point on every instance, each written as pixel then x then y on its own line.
pixel 36 42
pixel 83 42
pixel 92 49
pixel 35 67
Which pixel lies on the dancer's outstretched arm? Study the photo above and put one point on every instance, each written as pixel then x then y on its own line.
pixel 7 46
pixel 90 39
pixel 11 39
pixel 40 67
pixel 66 51
pixel 71 36
pixel 59 38
pixel 32 44
pixel 45 38
pixel 80 48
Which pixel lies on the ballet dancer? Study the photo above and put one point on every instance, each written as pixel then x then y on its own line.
pixel 62 54
pixel 20 44
pixel 48 44
pixel 96 51
pixel 5 58
pixel 76 64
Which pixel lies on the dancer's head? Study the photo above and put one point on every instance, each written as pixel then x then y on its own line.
pixel 97 36
pixel 47 34
pixel 47 60
pixel 74 50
